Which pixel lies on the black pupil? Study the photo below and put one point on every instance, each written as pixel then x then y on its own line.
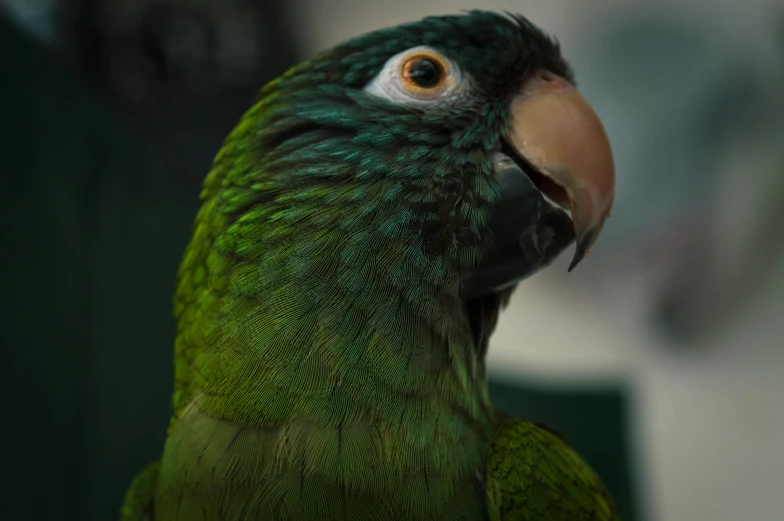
pixel 425 73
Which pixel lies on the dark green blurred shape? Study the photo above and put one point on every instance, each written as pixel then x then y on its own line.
pixel 93 231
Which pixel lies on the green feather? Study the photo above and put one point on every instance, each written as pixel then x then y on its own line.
pixel 532 474
pixel 325 364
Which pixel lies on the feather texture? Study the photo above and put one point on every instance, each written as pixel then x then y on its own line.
pixel 532 474
pixel 325 364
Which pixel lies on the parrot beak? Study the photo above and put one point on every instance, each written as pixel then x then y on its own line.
pixel 555 157
pixel 557 133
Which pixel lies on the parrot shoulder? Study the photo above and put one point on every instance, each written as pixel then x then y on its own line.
pixel 138 504
pixel 533 474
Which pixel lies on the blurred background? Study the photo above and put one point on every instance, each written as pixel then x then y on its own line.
pixel 660 359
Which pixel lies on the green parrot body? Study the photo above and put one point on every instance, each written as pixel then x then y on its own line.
pixel 326 364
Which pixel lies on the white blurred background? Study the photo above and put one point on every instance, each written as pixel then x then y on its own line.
pixel 683 296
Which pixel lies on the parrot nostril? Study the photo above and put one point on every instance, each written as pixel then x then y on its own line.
pixel 547 76
pixel 545 81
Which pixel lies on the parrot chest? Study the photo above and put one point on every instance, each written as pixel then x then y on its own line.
pixel 216 469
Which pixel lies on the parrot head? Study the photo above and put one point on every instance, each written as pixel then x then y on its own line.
pixel 453 152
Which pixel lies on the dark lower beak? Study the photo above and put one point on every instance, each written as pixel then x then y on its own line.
pixel 555 155
pixel 530 232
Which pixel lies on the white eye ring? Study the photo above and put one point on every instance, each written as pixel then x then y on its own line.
pixel 441 81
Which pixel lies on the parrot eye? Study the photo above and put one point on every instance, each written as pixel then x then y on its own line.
pixel 424 72
pixel 418 77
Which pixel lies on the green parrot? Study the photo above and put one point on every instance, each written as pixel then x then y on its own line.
pixel 360 231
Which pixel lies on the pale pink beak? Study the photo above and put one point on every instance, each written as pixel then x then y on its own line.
pixel 557 132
